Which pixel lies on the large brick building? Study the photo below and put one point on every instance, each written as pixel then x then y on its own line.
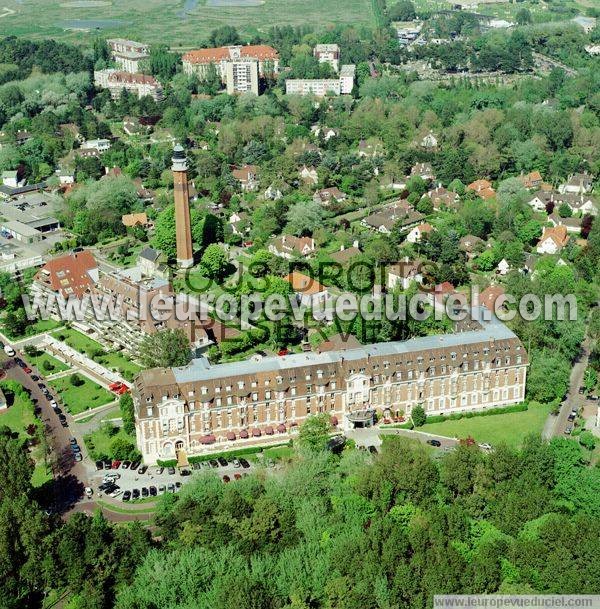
pixel 238 66
pixel 204 407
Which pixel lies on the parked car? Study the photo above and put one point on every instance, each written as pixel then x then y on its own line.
pixel 236 463
pixel 135 465
pixel 116 464
pixel 222 461
pixel 171 487
pixel 485 446
pixel 152 491
pixel 171 471
pixel 372 450
pixel 214 463
pixel 159 471
pixel 244 463
pixel 78 457
pixel 161 489
pixel 126 495
pixel 143 469
pixel 434 442
pixel 88 492
pixel 177 486
pixel 27 369
pixel 569 430
pixel 135 493
pixel 116 493
pixel 9 351
pixel 196 465
pixel 125 464
pixel 185 472
pixel 145 492
pixel 226 478
pixel 237 476
pixel 99 465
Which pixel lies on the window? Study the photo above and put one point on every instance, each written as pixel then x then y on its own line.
pixel 293 391
pixel 309 389
pixel 217 390
pixel 219 401
pixel 267 395
pixel 255 396
pixel 453 355
pixel 254 384
pixel 307 377
pixel 319 374
pixel 333 385
pixel 203 390
pixel 279 380
pixel 240 384
pixel 228 388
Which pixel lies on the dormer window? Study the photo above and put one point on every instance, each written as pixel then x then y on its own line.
pixel 203 390
pixel 240 384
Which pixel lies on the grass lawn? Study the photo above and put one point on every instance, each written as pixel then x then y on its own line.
pixel 121 363
pixel 510 428
pixel 19 416
pixel 98 442
pixel 78 341
pixel 86 396
pixel 39 327
pixel 278 453
pixel 41 475
pixel 52 365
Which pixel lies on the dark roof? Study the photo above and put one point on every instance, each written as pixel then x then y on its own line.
pixel 149 253
pixel 7 190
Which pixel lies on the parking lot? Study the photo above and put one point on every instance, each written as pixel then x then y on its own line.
pixel 159 480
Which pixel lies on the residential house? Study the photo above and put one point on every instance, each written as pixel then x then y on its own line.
pixel 137 219
pixel 71 275
pixel 573 225
pixel 327 195
pixel 99 145
pixel 309 175
pixel 553 240
pixel 289 246
pixel 345 254
pixel 442 197
pixel 440 293
pixel 149 261
pixel 309 292
pixel 321 87
pixel 531 180
pixel 384 219
pixel 423 170
pixel 65 176
pixel 247 176
pixel 578 183
pixel 471 246
pixel 238 221
pixel 493 298
pixel 133 126
pixel 371 148
pixel 116 81
pixel 403 273
pixel 339 342
pixel 429 142
pixel 416 234
pixel 540 199
pixel 325 132
pixel 482 188
pixel 503 267
pixel 277 190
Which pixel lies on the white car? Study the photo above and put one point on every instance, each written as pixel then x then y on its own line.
pixel 116 493
pixel 110 477
pixel 53 404
pixel 485 446
pixel 9 351
pixel 88 492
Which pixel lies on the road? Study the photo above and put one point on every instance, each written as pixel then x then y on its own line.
pixel 555 425
pixel 70 477
pixel 370 436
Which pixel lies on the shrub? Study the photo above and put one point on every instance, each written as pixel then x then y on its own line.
pixel 418 416
pixel 76 380
pixel 47 365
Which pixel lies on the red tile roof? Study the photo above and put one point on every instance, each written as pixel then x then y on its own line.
pixel 69 274
pixel 254 51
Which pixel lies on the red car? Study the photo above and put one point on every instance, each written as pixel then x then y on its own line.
pixel 115 465
pixel 122 389
pixel 282 352
pixel 27 369
pixel 114 386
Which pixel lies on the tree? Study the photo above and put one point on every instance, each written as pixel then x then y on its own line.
pixel 314 432
pixel 127 412
pixel 588 440
pixel 224 36
pixel 164 232
pixel 214 262
pixel 165 349
pixel 418 416
pixel 564 211
pixel 523 16
pixel 304 218
pixel 402 11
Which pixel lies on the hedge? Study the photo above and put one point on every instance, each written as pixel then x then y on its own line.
pixel 230 454
pixel 481 413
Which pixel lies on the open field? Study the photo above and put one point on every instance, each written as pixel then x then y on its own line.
pixel 510 428
pixel 181 23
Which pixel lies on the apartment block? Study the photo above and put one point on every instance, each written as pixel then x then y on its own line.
pixel 320 87
pixel 328 53
pixel 239 67
pixel 203 407
pixel 116 80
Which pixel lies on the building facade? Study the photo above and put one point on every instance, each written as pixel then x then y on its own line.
pixel 320 87
pixel 202 407
pixel 116 80
pixel 239 67
pixel 328 53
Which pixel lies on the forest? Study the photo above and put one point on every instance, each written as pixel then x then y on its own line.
pixel 324 531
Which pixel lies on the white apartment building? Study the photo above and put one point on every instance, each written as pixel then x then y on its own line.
pixel 238 66
pixel 140 84
pixel 320 87
pixel 328 53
